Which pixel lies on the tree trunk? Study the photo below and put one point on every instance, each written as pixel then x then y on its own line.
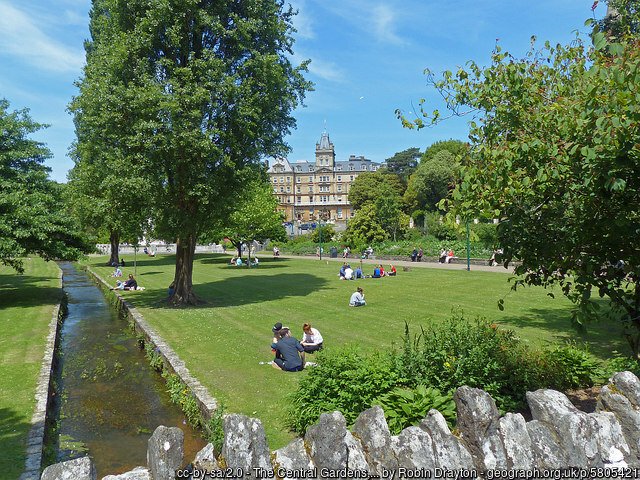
pixel 183 279
pixel 114 239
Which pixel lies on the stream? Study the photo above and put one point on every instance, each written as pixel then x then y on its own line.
pixel 109 399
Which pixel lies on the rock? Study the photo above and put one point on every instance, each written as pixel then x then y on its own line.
pixel 413 449
pixel 546 449
pixel 479 422
pixel 245 445
pixel 78 469
pixel 206 459
pixel 612 446
pixel 332 447
pixel 165 452
pixel 138 473
pixel 449 451
pixel 292 457
pixel 627 384
pixel 574 429
pixel 372 430
pixel 627 415
pixel 516 441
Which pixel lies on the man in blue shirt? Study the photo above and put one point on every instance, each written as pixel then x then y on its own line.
pixel 291 353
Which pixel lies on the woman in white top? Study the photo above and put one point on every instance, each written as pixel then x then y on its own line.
pixel 311 340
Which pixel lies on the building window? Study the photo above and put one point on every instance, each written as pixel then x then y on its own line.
pixel 352 213
pixel 351 178
pixel 339 198
pixel 275 190
pixel 311 211
pixel 281 179
pixel 298 179
pixel 275 180
pixel 288 199
pixel 288 189
pixel 339 178
pixel 311 201
pixel 299 199
pixel 364 167
pixel 351 167
pixel 339 212
pixel 339 187
pixel 310 189
pixel 288 179
pixel 339 168
pixel 298 168
pixel 310 179
pixel 297 189
pixel 281 189
pixel 311 169
pixel 374 168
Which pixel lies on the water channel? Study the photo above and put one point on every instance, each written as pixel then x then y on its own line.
pixel 110 400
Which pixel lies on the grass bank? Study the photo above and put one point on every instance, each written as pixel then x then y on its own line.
pixel 223 341
pixel 26 305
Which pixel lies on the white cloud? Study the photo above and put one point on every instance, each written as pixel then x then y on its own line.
pixel 303 22
pixel 320 68
pixel 21 37
pixel 383 19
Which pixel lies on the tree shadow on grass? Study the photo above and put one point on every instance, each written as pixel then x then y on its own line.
pixel 603 337
pixel 27 291
pixel 13 436
pixel 242 290
pixel 266 263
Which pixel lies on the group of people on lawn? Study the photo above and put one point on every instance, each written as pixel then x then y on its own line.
pixel 347 273
pixel 289 352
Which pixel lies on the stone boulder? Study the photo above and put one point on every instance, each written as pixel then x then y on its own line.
pixel 165 452
pixel 628 416
pixel 292 457
pixel 627 384
pixel 545 445
pixel 449 451
pixel 413 449
pixel 479 424
pixel 372 430
pixel 332 446
pixel 245 445
pixel 77 469
pixel 138 473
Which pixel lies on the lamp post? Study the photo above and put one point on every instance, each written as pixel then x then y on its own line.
pixel 468 249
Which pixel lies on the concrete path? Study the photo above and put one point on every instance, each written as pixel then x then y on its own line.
pixel 460 264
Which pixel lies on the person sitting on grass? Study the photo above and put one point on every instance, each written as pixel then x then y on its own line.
pixel 311 339
pixel 392 271
pixel 239 262
pixel 358 273
pixel 376 272
pixel 117 272
pixel 129 284
pixel 291 353
pixel 357 298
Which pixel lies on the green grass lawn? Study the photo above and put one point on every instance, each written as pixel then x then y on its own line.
pixel 223 341
pixel 26 305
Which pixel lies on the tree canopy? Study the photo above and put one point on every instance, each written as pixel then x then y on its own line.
pixel 556 157
pixel 403 163
pixel 203 90
pixel 32 216
pixel 368 186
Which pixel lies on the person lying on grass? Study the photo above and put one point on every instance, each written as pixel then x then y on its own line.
pixel 128 284
pixel 291 353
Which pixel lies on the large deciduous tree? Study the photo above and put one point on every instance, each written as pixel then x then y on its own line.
pixel 556 156
pixel 403 163
pixel 210 92
pixel 32 217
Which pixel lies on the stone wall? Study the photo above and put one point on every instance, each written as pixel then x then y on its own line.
pixel 559 442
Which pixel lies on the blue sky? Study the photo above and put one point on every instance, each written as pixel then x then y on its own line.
pixel 367 60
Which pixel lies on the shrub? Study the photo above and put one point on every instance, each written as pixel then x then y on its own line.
pixel 343 380
pixel 405 407
pixel 621 364
pixel 474 353
pixel 573 366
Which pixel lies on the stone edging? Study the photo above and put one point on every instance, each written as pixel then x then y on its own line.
pixel 206 402
pixel 35 439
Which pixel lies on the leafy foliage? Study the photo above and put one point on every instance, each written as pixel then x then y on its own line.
pixel 204 90
pixel 364 229
pixel 343 380
pixel 556 156
pixel 369 186
pixel 327 231
pixel 574 366
pixel 32 216
pixel 403 163
pixel 404 407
